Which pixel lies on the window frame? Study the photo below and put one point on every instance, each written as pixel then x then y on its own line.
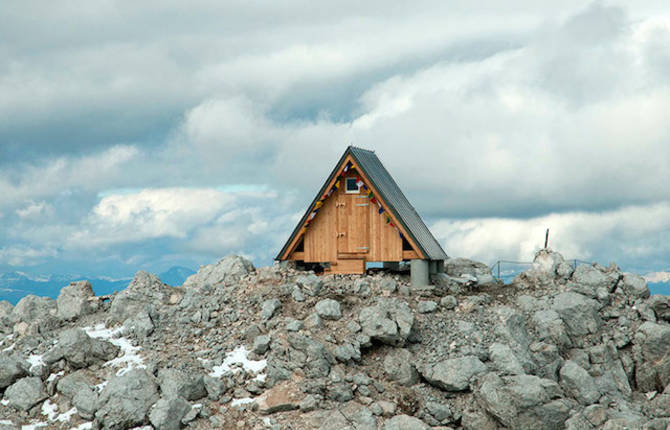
pixel 346 186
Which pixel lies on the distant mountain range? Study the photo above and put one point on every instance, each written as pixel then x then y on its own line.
pixel 16 285
pixel 659 282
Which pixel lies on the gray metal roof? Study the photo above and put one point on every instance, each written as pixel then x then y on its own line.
pixel 396 201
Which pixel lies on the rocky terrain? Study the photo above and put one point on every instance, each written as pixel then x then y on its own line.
pixel 237 347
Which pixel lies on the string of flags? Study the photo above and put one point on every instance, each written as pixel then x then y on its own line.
pixel 360 184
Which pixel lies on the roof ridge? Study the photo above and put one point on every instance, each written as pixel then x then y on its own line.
pixel 361 149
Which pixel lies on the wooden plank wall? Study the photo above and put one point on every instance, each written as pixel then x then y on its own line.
pixel 321 242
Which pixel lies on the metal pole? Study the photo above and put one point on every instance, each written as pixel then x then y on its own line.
pixel 546 239
pixel 498 269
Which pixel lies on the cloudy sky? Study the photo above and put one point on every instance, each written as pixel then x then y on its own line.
pixel 151 134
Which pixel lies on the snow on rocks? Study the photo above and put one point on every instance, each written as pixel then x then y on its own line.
pixel 236 361
pixel 129 358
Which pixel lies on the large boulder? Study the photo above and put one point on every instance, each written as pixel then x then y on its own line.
pixel 315 359
pixel 25 393
pixel 453 374
pixel 390 321
pixel 405 422
pixel 33 314
pixel 504 360
pixel 550 327
pixel 70 385
pixel 661 306
pixel 177 383
pixel 328 309
pixel 228 269
pixel 11 369
pixel 635 286
pixel 167 414
pixel 548 267
pixel 577 381
pixel 399 366
pixel 579 313
pixel 652 356
pixel 80 350
pixel 144 293
pixel 126 399
pixel 462 267
pixel 75 300
pixel 589 279
pixel 523 401
pixel 6 310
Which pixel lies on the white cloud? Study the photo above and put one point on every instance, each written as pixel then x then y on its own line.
pixel 635 236
pixel 35 210
pixel 21 255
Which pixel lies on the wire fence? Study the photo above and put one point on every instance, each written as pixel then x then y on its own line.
pixel 506 270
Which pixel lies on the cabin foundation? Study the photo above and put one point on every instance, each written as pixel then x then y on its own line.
pixel 419 273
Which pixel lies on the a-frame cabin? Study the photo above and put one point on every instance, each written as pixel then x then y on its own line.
pixel 360 215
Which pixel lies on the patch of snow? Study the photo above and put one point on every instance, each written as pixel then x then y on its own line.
pixel 4 402
pixel 33 426
pixel 260 377
pixel 142 428
pixel 238 356
pixel 101 385
pixel 65 416
pixel 35 360
pixel 53 376
pixel 242 401
pixel 6 423
pixel 9 348
pixel 83 426
pixel 130 358
pixel 50 410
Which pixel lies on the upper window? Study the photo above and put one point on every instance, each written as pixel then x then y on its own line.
pixel 351 186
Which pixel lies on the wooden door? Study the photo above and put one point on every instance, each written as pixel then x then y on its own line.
pixel 352 223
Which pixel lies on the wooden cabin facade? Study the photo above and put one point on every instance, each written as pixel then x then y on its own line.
pixel 359 216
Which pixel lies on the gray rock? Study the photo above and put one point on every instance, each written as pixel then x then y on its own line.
pixel 8 425
pixel 440 411
pixel 579 313
pixel 25 393
pixel 340 392
pixel 11 369
pixel 390 321
pixel 294 325
pixel 140 325
pixel 426 306
pixel 81 350
pixel 126 399
pixel 32 307
pixel 504 359
pixel 215 387
pixel 635 286
pixel 361 286
pixel 229 269
pixel 592 278
pixel 399 366
pixel 328 309
pixel 176 383
pixel 550 327
pixel 308 404
pixel 405 422
pixel 388 285
pixel 167 414
pixel 297 295
pixel 261 344
pixel 269 307
pixel 311 284
pixel 71 384
pixel 523 401
pixel 459 267
pixel 347 352
pixel 86 402
pixel 652 361
pixel 317 358
pixel 661 306
pixel 144 293
pixel 453 374
pixel 75 300
pixel 448 302
pixel 313 321
pixel 577 381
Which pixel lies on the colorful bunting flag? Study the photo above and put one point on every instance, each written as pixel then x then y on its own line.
pixel 381 210
pixel 318 204
pixel 337 184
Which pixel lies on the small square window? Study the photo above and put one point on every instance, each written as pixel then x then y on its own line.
pixel 351 186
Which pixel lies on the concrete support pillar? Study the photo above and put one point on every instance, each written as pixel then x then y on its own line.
pixel 440 266
pixel 392 265
pixel 432 267
pixel 419 273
